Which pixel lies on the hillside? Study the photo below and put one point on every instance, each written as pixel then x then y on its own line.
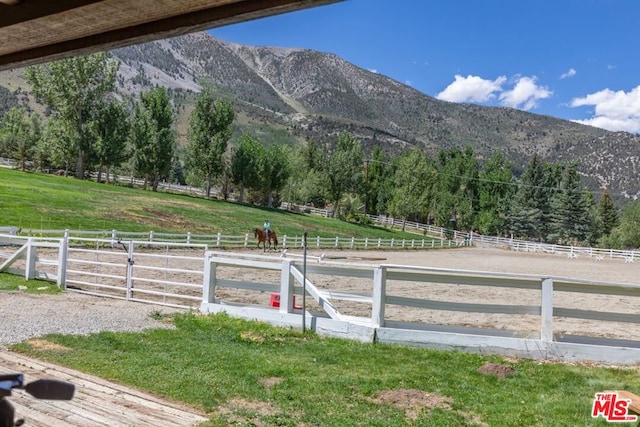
pixel 293 95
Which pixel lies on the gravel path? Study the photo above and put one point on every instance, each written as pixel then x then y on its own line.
pixel 26 316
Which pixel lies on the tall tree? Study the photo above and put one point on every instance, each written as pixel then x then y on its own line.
pixel 274 171
pixel 607 212
pixel 496 188
pixel 112 133
pixel 530 212
pixel 377 188
pixel 57 144
pixel 210 129
pixel 571 221
pixel 74 89
pixel 245 163
pixel 344 169
pixel 144 138
pixel 19 135
pixel 415 181
pixel 153 135
pixel 456 198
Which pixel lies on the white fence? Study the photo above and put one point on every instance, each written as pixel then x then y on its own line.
pixel 153 272
pixel 520 315
pixel 247 240
pixel 371 303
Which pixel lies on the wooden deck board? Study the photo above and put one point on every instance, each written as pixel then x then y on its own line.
pixel 97 402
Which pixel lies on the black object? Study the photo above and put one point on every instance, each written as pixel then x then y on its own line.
pixel 40 389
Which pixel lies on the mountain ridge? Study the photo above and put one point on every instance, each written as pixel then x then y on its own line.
pixel 296 94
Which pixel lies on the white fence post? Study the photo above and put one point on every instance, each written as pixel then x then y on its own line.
pixel 546 310
pixel 63 253
pixel 284 242
pixel 336 245
pixel 30 268
pixel 209 282
pixel 353 239
pixel 246 240
pixel 218 239
pixel 366 242
pixel 130 271
pixel 286 287
pixel 151 236
pixel 188 238
pixel 318 242
pixel 378 295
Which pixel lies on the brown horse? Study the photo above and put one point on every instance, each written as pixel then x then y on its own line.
pixel 261 235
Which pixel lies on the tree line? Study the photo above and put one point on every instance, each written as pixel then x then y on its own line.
pixel 88 127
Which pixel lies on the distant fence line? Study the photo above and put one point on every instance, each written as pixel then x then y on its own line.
pixel 237 241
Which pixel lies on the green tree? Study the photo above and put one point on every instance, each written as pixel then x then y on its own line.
pixel 74 89
pixel 415 181
pixel 530 213
pixel 245 163
pixel 144 137
pixel 343 169
pixel 274 171
pixel 19 135
pixel 495 191
pixel 607 212
pixel 627 234
pixel 57 144
pixel 112 133
pixel 570 219
pixel 210 129
pixel 455 203
pixel 153 136
pixel 377 188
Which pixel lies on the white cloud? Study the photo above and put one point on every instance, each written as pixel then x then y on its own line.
pixel 373 70
pixel 471 89
pixel 525 94
pixel 570 73
pixel 615 111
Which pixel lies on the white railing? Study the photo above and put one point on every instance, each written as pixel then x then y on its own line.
pixel 389 292
pixel 162 273
pixel 248 240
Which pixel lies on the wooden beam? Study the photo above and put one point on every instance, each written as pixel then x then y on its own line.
pixel 243 10
pixel 35 9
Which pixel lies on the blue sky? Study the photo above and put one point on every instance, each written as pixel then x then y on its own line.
pixel 573 59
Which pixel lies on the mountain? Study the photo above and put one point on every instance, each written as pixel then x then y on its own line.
pixel 293 95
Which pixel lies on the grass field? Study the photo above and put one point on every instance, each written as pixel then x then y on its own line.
pixel 32 201
pixel 251 374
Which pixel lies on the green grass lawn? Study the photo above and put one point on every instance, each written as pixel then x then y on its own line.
pixel 250 374
pixel 33 201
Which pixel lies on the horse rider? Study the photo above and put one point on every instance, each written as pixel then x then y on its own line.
pixel 267 228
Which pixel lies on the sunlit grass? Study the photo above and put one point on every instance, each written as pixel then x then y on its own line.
pixel 290 378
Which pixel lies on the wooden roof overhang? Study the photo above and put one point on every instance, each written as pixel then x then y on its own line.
pixel 36 31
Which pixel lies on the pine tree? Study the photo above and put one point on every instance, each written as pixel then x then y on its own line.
pixel 607 212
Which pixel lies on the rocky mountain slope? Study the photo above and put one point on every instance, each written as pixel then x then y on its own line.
pixel 292 95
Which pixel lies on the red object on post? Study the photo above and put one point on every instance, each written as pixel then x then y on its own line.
pixel 275 301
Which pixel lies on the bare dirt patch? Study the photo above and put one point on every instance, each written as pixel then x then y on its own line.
pixel 40 344
pixel 496 370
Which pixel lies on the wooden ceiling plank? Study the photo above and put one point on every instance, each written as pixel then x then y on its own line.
pixel 34 9
pixel 164 28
